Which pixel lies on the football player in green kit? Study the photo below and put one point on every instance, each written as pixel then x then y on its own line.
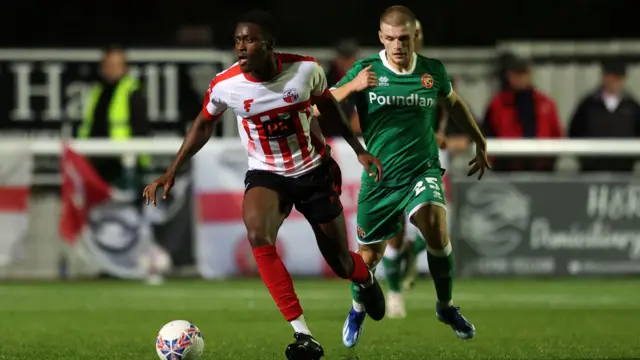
pixel 396 92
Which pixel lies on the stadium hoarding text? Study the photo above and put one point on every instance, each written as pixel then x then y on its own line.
pixel 45 91
pixel 547 225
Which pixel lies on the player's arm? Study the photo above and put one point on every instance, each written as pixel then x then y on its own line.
pixel 335 121
pixel 462 116
pixel 357 79
pixel 202 129
pixel 197 136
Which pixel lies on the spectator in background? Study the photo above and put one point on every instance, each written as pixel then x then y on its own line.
pixel 521 111
pixel 608 112
pixel 116 110
pixel 347 54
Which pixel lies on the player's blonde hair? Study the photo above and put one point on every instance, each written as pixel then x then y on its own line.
pixel 398 15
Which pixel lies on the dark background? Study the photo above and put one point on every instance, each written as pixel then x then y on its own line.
pixel 145 23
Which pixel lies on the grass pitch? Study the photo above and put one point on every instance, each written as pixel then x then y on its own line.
pixel 519 319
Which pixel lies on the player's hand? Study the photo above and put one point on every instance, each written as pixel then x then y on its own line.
pixel 365 79
pixel 441 140
pixel 480 162
pixel 367 160
pixel 165 182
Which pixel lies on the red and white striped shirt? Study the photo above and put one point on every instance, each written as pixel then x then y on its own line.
pixel 275 118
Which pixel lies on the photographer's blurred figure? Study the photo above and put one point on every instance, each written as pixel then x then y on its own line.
pixel 117 110
pixel 347 54
pixel 607 112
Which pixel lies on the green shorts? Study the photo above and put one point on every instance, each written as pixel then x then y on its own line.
pixel 380 208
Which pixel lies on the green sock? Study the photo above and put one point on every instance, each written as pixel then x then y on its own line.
pixel 392 272
pixel 419 245
pixel 355 293
pixel 441 269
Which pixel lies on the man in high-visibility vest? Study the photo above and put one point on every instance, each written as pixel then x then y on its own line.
pixel 116 109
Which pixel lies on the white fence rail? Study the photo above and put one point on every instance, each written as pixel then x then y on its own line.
pixel 169 146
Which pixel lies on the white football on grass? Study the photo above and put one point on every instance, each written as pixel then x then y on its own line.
pixel 179 340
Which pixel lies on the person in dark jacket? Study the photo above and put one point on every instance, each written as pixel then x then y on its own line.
pixel 520 111
pixel 607 112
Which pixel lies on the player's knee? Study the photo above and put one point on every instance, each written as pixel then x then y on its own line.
pixel 259 237
pixel 432 222
pixel 371 254
pixel 396 241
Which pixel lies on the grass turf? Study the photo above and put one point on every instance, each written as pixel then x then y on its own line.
pixel 515 319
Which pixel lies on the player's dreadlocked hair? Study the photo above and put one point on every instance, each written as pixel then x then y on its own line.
pixel 398 15
pixel 264 20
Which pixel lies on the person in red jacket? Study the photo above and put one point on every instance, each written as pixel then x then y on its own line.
pixel 520 111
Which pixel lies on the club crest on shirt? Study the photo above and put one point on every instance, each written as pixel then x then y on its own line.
pixel 290 96
pixel 427 81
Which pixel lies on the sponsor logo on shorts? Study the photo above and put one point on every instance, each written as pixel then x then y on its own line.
pixel 361 233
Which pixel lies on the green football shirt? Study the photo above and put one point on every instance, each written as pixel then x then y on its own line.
pixel 398 116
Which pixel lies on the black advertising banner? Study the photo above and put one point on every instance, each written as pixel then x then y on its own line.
pixel 44 91
pixel 547 225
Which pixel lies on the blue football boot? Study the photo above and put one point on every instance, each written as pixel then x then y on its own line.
pixel 461 327
pixel 352 328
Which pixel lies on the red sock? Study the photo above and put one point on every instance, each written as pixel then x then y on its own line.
pixel 360 269
pixel 277 279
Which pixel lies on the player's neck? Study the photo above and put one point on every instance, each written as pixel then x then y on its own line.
pixel 399 68
pixel 268 71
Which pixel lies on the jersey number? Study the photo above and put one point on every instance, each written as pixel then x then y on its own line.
pixel 430 181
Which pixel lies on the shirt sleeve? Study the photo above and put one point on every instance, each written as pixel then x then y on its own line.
pixel 213 105
pixel 446 89
pixel 319 87
pixel 351 74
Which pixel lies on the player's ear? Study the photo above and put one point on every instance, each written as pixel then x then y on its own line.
pixel 270 43
pixel 380 36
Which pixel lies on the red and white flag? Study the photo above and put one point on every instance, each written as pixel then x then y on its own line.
pixel 103 223
pixel 82 190
pixel 16 173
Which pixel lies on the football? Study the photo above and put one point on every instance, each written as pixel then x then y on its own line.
pixel 179 340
